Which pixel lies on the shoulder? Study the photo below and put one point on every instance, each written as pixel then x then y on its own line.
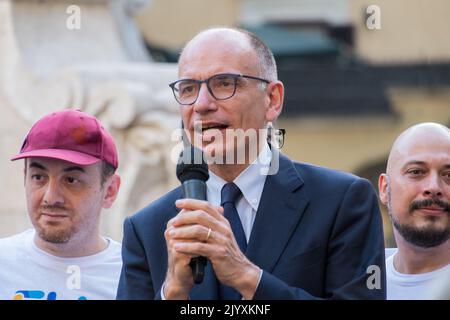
pixel 326 177
pixel 159 211
pixel 15 251
pixel 110 259
pixel 318 183
pixel 17 241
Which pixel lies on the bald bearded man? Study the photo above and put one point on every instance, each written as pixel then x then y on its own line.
pixel 416 190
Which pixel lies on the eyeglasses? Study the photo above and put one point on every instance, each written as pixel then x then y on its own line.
pixel 220 86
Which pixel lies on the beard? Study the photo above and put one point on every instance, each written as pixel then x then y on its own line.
pixel 55 232
pixel 424 237
pixel 55 236
pixel 427 237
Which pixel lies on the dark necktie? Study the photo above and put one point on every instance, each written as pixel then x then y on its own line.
pixel 229 196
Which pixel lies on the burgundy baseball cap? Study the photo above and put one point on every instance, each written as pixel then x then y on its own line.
pixel 69 135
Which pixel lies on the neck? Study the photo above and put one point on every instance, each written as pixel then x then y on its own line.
pixel 229 172
pixel 74 247
pixel 411 259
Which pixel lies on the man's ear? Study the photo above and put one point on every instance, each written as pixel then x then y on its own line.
pixel 383 186
pixel 112 189
pixel 275 91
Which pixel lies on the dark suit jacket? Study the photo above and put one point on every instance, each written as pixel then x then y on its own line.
pixel 315 234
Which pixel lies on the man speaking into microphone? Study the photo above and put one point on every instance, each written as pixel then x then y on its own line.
pixel 270 228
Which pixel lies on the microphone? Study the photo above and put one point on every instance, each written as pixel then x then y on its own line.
pixel 192 171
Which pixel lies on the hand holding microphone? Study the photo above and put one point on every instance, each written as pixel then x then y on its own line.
pixel 201 222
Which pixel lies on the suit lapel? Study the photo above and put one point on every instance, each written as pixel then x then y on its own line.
pixel 279 211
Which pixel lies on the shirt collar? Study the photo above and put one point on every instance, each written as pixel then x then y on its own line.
pixel 250 181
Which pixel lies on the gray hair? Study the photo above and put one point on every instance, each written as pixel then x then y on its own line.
pixel 267 64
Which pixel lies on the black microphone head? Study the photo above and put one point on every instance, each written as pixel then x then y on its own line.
pixel 192 165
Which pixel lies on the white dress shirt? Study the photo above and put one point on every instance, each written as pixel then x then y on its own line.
pixel 250 182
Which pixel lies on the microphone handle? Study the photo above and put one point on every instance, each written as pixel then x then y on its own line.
pixel 198 265
pixel 196 189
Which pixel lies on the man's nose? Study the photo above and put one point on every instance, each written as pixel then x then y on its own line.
pixel 53 193
pixel 205 101
pixel 433 186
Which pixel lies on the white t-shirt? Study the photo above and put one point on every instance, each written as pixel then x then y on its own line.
pixel 29 273
pixel 432 285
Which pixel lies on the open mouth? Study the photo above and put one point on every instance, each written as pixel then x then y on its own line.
pixel 214 126
pixel 202 127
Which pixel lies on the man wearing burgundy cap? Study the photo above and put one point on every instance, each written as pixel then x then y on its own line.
pixel 70 164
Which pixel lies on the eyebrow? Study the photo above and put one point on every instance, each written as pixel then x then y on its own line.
pixel 68 169
pixel 417 162
pixel 37 165
pixel 421 163
pixel 74 168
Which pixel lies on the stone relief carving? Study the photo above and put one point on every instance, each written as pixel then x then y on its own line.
pixel 44 66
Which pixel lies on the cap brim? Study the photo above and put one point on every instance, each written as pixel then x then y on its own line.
pixel 79 158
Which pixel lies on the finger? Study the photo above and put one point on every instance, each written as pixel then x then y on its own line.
pixel 201 207
pixel 193 233
pixel 170 222
pixel 171 237
pixel 205 220
pixel 194 204
pixel 196 248
pixel 200 234
pixel 167 233
pixel 197 217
